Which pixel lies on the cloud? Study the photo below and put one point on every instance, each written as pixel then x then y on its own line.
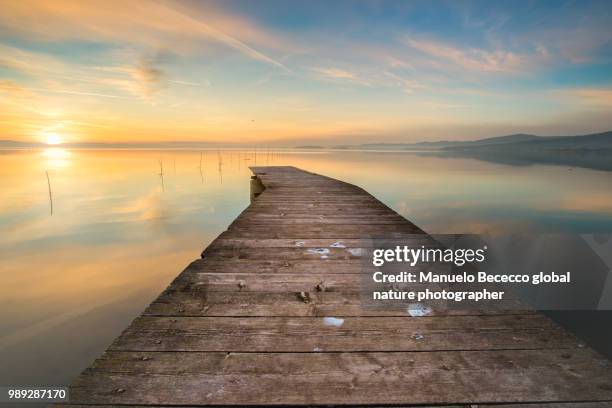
pixel 30 63
pixel 70 92
pixel 592 97
pixel 340 74
pixel 571 42
pixel 147 73
pixel 147 76
pixel 48 70
pixel 144 78
pixel 406 84
pixel 13 89
pixel 472 59
pixel 602 97
pixel 153 25
pixel 50 73
pixel 189 83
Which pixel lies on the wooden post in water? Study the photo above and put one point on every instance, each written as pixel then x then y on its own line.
pixel 50 194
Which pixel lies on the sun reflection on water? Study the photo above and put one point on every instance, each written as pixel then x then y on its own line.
pixel 56 157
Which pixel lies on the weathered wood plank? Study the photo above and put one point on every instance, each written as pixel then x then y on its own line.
pixel 177 302
pixel 262 282
pixel 345 378
pixel 229 242
pixel 230 294
pixel 213 265
pixel 323 231
pixel 287 254
pixel 306 334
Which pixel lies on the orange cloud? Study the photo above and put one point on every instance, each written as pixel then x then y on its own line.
pixel 13 89
pixel 152 24
pixel 594 96
pixel 340 74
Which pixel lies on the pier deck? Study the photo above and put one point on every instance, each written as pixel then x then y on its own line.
pixel 234 328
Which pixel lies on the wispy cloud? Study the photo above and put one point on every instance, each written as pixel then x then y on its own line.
pixel 144 78
pixel 473 59
pixel 148 75
pixel 591 97
pixel 13 89
pixel 53 75
pixel 190 83
pixel 407 84
pixel 70 92
pixel 153 25
pixel 340 74
pixel 30 63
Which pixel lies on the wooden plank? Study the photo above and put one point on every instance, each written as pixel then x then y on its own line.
pixel 229 242
pixel 287 254
pixel 322 231
pixel 345 378
pixel 306 334
pixel 262 282
pixel 239 265
pixel 177 302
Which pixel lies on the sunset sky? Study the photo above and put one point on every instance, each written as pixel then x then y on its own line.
pixel 286 73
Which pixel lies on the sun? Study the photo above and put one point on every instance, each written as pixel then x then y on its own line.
pixel 53 139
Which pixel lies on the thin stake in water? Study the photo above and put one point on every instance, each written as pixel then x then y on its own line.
pixel 50 194
pixel 201 173
pixel 161 174
pixel 220 161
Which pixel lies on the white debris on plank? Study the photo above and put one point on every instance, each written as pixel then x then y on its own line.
pixel 333 321
pixel 337 245
pixel 318 251
pixel 355 251
pixel 299 243
pixel 418 310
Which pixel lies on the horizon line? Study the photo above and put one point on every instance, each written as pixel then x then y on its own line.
pixel 312 144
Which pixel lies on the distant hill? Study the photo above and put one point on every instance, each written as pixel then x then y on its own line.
pixel 515 141
pixel 434 145
pixel 588 151
pixel 519 137
pixel 516 138
pixel 12 144
pixel 530 142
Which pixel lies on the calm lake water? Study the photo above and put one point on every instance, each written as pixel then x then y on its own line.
pixel 70 282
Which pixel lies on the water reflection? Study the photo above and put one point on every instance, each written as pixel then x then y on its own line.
pixel 56 157
pixel 125 224
pixel 598 159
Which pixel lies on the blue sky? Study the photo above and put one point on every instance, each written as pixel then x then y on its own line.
pixel 277 72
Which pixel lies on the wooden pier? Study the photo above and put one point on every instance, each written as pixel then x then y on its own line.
pixel 245 325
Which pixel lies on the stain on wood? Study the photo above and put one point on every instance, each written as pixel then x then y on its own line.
pixel 245 324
